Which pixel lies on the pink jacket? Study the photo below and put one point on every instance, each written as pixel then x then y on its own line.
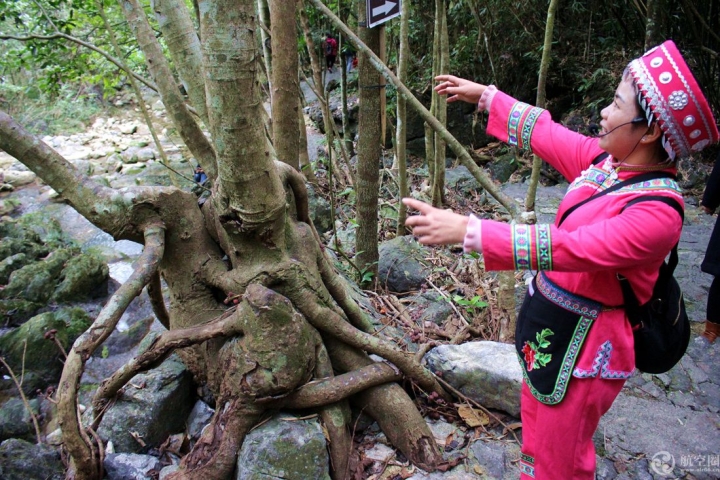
pixel 596 241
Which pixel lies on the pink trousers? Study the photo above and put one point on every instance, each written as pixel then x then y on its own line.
pixel 557 439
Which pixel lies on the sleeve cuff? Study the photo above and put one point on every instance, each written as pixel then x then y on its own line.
pixel 486 98
pixel 473 235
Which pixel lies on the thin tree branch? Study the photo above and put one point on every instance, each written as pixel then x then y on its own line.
pixel 55 36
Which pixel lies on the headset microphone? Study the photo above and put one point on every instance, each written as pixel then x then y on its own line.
pixel 594 128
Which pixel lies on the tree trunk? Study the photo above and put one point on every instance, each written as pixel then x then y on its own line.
pixel 401 132
pixel 285 84
pixel 369 151
pixel 264 19
pixel 188 129
pixel 184 45
pixel 443 63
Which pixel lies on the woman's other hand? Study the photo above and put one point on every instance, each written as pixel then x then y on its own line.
pixel 459 89
pixel 707 210
pixel 435 226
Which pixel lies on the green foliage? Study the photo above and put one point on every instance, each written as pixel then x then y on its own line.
pixel 472 306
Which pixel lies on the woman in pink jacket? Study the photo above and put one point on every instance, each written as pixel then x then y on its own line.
pixel 573 339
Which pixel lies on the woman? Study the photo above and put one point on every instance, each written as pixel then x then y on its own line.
pixel 711 263
pixel 573 339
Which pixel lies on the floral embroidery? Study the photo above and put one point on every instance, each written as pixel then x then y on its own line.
pixel 534 358
pixel 524 256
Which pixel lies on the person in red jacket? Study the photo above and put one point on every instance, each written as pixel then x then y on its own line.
pixel 330 49
pixel 573 339
pixel 711 262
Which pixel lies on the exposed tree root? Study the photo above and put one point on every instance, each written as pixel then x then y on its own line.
pixel 390 406
pixel 336 418
pixel 157 302
pixel 215 453
pixel 228 325
pixel 86 463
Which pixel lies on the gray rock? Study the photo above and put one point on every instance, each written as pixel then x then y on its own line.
pixel 461 179
pixel 430 306
pixel 605 470
pixel 200 416
pixel 152 406
pixel 284 449
pixel 319 211
pixel 487 372
pixel 402 267
pixel 128 128
pixel 42 359
pixel 21 460
pixel 15 420
pixel 502 167
pixel 491 458
pixel 130 466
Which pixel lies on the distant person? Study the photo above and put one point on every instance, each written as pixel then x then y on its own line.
pixel 711 263
pixel 200 176
pixel 330 49
pixel 349 54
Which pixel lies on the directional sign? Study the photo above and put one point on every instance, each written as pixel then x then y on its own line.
pixel 380 11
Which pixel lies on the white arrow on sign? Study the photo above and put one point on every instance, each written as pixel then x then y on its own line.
pixel 383 9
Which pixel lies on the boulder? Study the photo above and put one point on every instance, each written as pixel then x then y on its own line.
pixel 151 407
pixel 131 466
pixel 487 372
pixel 21 460
pixel 402 266
pixel 42 358
pixel 84 276
pixel 284 447
pixel 15 420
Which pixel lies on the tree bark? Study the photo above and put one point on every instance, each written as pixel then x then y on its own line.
pixel 184 45
pixel 443 64
pixel 401 132
pixel 249 189
pixel 188 129
pixel 285 85
pixel 369 151
pixel 540 100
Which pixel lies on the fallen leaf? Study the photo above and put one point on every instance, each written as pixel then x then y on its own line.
pixel 472 416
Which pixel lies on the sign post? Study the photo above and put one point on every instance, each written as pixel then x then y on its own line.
pixel 380 11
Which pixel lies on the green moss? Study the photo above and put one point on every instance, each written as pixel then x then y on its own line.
pixel 82 276
pixel 42 357
pixel 36 282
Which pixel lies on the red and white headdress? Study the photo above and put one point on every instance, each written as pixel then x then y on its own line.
pixel 669 93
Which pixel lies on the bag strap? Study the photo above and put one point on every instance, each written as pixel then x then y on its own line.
pixel 629 298
pixel 644 177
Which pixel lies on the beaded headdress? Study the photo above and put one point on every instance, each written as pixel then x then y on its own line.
pixel 668 92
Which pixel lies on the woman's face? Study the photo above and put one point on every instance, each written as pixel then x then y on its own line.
pixel 621 142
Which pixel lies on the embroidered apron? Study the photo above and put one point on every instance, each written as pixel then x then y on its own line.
pixel 551 328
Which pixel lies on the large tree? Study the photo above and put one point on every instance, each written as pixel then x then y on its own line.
pixel 290 318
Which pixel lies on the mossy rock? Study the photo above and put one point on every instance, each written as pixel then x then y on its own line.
pixel 84 276
pixel 10 264
pixel 36 282
pixel 16 311
pixel 43 359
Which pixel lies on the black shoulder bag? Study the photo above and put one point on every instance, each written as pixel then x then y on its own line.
pixel 661 328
